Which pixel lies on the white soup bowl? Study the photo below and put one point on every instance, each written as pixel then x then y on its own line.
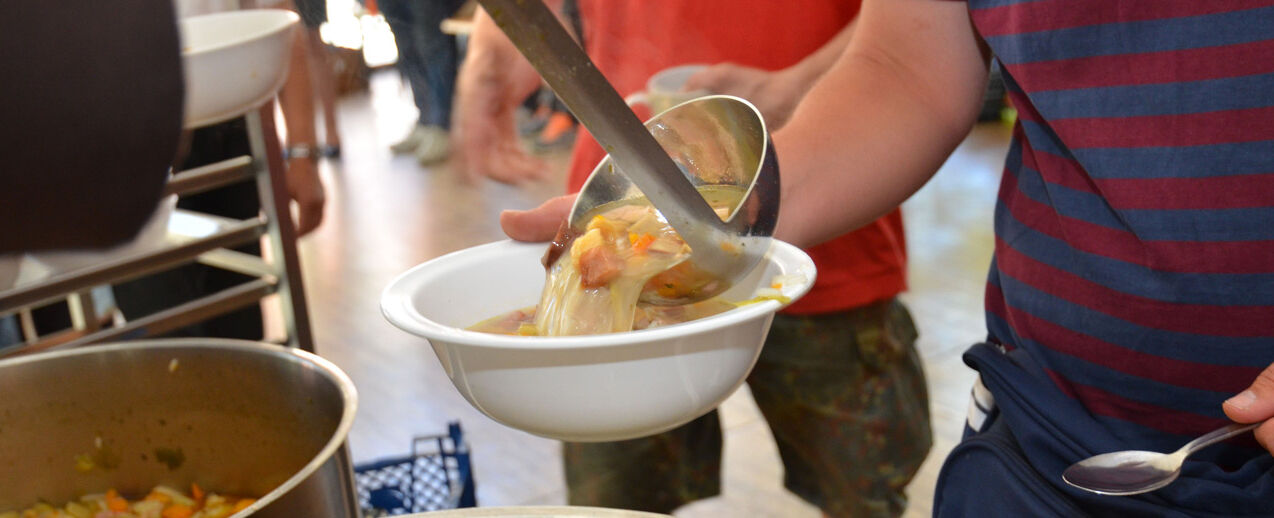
pixel 234 61
pixel 582 388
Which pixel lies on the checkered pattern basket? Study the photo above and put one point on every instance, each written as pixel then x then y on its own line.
pixel 436 476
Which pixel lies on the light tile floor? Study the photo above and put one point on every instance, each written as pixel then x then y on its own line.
pixel 386 214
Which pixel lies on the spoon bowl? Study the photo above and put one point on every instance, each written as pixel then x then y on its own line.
pixel 1134 472
pixel 1124 472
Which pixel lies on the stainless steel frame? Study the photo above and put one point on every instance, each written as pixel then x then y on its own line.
pixel 281 275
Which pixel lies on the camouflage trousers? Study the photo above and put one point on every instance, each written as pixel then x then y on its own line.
pixel 844 395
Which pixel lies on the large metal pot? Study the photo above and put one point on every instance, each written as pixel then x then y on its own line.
pixel 236 417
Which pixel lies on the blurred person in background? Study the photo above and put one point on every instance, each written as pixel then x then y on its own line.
pixel 1130 297
pixel 839 380
pixel 428 59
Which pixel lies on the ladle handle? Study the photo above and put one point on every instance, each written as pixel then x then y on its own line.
pixel 539 36
pixel 1216 436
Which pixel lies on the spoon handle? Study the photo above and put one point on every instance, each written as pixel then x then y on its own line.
pixel 1216 436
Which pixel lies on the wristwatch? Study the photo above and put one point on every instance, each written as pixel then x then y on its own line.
pixel 301 151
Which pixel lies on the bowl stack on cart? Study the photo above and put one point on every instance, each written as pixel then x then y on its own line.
pixel 234 65
pixel 82 415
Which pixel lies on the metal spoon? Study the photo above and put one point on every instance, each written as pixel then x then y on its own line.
pixel 1134 472
pixel 724 250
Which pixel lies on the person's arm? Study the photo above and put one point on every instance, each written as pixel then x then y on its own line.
pixel 492 83
pixel 296 101
pixel 877 125
pixel 882 120
pixel 775 93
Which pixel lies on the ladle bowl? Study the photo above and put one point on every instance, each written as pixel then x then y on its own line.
pixel 719 142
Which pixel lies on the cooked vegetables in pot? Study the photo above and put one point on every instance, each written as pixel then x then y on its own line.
pixel 161 502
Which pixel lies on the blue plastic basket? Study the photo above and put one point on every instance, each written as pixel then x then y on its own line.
pixel 438 475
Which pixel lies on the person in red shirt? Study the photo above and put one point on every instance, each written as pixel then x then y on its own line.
pixel 1128 302
pixel 839 379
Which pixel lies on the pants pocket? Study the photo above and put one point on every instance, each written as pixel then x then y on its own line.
pixel 986 475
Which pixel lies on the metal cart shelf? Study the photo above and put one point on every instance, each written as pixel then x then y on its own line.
pixel 191 237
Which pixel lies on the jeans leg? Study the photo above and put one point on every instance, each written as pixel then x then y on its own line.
pixel 406 23
pixel 441 59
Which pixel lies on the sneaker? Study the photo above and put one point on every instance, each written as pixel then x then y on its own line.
pixel 434 146
pixel 558 133
pixel 531 122
pixel 409 143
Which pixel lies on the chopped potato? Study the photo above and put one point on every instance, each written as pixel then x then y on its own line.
pixel 161 502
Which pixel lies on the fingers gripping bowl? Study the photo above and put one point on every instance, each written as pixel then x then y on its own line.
pixel 582 388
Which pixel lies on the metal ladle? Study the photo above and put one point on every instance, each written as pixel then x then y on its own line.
pixel 725 250
pixel 1134 472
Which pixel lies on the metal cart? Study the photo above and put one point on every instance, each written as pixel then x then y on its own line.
pixel 211 245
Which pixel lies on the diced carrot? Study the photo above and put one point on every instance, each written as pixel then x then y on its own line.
pixel 115 502
pixel 777 285
pixel 641 243
pixel 178 511
pixel 244 504
pixel 196 492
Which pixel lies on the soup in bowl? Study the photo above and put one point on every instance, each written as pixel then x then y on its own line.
pixel 593 387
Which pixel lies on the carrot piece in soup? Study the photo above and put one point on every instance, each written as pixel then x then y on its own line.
pixel 115 502
pixel 178 511
pixel 642 242
pixel 244 504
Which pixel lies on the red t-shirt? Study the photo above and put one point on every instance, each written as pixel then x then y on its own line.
pixel 630 41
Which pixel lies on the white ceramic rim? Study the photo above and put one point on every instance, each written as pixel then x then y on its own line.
pixel 396 305
pixel 286 19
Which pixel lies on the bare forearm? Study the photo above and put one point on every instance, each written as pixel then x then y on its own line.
pixel 881 121
pixel 814 65
pixel 296 100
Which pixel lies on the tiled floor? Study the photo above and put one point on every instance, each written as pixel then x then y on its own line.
pixel 386 214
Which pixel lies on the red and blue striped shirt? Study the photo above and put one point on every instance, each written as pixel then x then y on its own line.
pixel 1134 255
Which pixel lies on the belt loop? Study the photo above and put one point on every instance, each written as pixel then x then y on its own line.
pixel 981 403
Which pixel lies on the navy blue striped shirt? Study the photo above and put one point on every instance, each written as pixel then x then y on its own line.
pixel 1134 257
